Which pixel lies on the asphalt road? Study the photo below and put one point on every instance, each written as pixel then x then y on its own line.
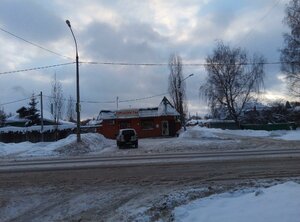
pixel 208 166
pixel 111 188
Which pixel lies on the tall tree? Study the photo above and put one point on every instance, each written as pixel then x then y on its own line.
pixel 233 79
pixel 32 110
pixel 2 117
pixel 56 101
pixel 177 86
pixel 71 109
pixel 290 54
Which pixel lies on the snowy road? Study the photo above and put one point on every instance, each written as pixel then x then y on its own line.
pixel 132 160
pixel 133 187
pixel 98 182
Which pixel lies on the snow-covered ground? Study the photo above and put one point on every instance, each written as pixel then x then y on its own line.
pixel 276 134
pixel 277 204
pixel 194 139
pixel 152 202
pixel 91 142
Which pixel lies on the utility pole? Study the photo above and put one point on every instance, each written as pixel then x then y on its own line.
pixel 77 84
pixel 42 117
pixel 117 101
pixel 182 118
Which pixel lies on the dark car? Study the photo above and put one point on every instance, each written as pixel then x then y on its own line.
pixel 127 137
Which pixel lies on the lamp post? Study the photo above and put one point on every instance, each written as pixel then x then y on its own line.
pixel 77 84
pixel 182 119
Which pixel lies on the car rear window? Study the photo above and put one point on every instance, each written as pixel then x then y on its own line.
pixel 128 132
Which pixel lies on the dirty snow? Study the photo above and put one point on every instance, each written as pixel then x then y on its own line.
pixel 194 139
pixel 276 203
pixel 91 142
pixel 276 134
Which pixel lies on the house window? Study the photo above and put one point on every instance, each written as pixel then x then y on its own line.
pixel 124 125
pixel 147 124
pixel 110 122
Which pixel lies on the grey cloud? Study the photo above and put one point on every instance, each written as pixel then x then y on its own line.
pixel 136 42
pixel 20 90
pixel 31 20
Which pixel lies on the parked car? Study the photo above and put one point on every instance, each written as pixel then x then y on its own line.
pixel 127 137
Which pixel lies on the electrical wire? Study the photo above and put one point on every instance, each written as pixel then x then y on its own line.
pixel 183 64
pixel 34 44
pixel 82 101
pixel 15 101
pixel 260 20
pixel 141 64
pixel 36 68
pixel 144 98
pixel 113 101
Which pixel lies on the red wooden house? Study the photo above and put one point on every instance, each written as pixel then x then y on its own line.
pixel 163 120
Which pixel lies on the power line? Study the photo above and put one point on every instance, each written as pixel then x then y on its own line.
pixel 261 19
pixel 144 98
pixel 34 44
pixel 143 64
pixel 183 64
pixel 113 101
pixel 15 101
pixel 36 68
pixel 82 101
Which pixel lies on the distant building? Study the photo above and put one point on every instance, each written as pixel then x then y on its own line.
pixel 163 120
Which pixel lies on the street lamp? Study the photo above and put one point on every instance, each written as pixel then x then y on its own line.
pixel 182 120
pixel 77 84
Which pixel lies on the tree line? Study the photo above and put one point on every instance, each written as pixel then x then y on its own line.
pixel 235 78
pixel 56 104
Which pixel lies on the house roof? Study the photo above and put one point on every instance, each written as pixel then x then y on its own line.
pixel 165 108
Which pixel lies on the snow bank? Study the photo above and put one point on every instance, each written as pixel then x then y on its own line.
pixel 91 142
pixel 198 133
pixel 277 203
pixel 276 134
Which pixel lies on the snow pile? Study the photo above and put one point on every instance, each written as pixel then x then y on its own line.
pixel 277 203
pixel 291 135
pixel 91 142
pixel 276 134
pixel 198 133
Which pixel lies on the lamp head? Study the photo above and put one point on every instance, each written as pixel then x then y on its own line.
pixel 68 23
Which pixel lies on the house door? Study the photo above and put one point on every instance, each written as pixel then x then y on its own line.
pixel 165 128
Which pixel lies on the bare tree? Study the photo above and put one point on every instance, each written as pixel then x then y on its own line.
pixel 71 109
pixel 233 79
pixel 290 54
pixel 56 101
pixel 177 86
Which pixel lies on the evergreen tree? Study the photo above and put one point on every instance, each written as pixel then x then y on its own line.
pixel 2 117
pixel 33 114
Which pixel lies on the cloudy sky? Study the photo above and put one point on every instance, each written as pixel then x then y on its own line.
pixel 130 31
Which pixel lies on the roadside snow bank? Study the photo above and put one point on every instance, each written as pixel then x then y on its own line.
pixel 276 134
pixel 277 203
pixel 197 133
pixel 91 142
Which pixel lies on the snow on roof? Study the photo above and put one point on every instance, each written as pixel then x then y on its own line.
pixel 297 108
pixel 164 108
pixel 47 116
pixel 8 129
pixel 94 122
pixel 16 118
